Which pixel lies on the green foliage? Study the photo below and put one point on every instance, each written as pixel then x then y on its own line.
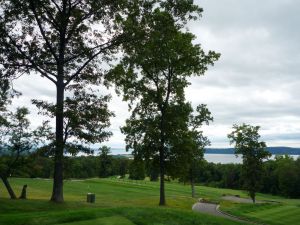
pixel 247 143
pixel 137 169
pixel 76 167
pixel 105 168
pixel 152 169
pixel 120 166
pixel 194 144
pixel 288 172
pixel 86 117
pixel 15 141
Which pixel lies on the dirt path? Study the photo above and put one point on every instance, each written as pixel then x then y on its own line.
pixel 213 209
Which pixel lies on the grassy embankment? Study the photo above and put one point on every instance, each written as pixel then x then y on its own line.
pixel 132 202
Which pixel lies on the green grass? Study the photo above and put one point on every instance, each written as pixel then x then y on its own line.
pixel 132 202
pixel 285 212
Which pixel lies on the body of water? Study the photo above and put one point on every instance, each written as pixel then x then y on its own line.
pixel 215 158
pixel 230 158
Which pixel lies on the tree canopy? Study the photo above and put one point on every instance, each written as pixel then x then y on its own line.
pixel 152 76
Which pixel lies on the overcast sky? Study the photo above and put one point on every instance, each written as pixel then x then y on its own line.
pixel 256 80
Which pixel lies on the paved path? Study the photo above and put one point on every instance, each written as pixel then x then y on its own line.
pixel 213 209
pixel 240 200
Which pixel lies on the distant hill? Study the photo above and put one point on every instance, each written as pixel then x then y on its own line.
pixel 273 150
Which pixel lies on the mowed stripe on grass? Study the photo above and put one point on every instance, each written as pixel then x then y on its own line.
pixel 283 214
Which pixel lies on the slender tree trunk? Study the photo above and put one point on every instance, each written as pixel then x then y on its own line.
pixel 252 195
pixel 9 188
pixel 162 198
pixel 193 187
pixel 57 192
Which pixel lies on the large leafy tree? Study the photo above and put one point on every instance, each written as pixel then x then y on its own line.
pixel 247 143
pixel 153 75
pixel 63 41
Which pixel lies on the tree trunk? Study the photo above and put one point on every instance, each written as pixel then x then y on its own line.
pixel 57 192
pixel 9 188
pixel 162 198
pixel 193 187
pixel 24 192
pixel 252 195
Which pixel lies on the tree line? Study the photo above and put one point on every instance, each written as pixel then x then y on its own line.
pixel 280 176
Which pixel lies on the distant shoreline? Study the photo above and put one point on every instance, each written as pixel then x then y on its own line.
pixel 228 151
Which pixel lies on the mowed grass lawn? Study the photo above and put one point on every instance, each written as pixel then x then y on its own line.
pixel 132 202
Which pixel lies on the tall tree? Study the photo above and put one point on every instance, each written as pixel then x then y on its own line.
pixel 61 41
pixel 153 75
pixel 247 142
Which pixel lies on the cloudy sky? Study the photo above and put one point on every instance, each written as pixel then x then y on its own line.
pixel 256 80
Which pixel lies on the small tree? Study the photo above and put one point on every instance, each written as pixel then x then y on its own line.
pixel 16 142
pixel 246 140
pixel 187 162
pixel 105 162
pixel 202 116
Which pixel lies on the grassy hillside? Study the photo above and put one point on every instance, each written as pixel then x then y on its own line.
pixel 129 202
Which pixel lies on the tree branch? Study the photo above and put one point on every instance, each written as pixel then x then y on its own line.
pixel 52 19
pixel 89 60
pixel 42 30
pixel 56 5
pixel 41 70
pixel 75 24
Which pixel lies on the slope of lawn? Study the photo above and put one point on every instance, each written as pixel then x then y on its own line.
pixel 132 202
pixel 282 213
